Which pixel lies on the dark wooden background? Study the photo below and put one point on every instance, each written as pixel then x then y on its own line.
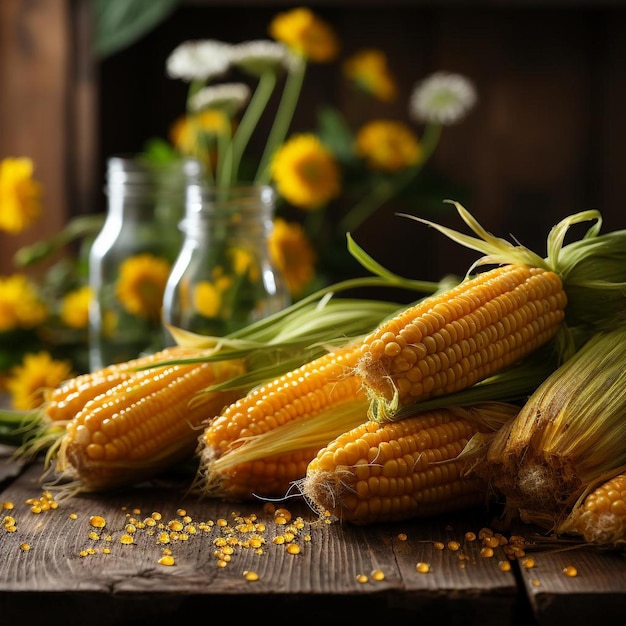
pixel 546 139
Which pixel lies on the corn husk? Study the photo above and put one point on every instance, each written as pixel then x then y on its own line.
pixel 569 434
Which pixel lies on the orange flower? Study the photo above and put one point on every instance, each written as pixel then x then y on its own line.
pixel 293 255
pixel 30 380
pixel 20 195
pixel 388 145
pixel 141 285
pixel 368 69
pixel 306 172
pixel 306 34
pixel 75 307
pixel 20 304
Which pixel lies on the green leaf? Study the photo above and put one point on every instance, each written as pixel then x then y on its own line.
pixel 335 133
pixel 119 23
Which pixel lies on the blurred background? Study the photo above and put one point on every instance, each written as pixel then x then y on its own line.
pixel 545 139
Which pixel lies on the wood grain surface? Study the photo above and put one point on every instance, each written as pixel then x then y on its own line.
pixel 75 569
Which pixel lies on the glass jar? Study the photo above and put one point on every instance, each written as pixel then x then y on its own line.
pixel 130 258
pixel 224 279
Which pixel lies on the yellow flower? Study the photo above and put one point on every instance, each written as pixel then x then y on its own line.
pixel 20 305
pixel 306 173
pixel 207 299
pixel 110 323
pixel 388 145
pixel 304 33
pixel 20 195
pixel 196 135
pixel 243 263
pixel 141 285
pixel 75 307
pixel 368 69
pixel 29 382
pixel 292 253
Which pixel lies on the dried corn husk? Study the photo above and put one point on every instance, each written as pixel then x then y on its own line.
pixel 569 434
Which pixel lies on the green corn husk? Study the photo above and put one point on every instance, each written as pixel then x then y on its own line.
pixel 570 434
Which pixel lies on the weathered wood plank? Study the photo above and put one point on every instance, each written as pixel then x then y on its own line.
pixel 326 568
pixel 126 582
pixel 598 590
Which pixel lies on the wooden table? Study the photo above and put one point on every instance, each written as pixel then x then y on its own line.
pixel 58 568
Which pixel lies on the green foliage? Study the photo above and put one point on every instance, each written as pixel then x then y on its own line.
pixel 119 23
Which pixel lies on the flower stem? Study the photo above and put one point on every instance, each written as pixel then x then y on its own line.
pixel 223 142
pixel 284 115
pixel 77 228
pixel 376 197
pixel 265 87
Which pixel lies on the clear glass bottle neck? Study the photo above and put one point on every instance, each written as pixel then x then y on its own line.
pixel 133 185
pixel 244 210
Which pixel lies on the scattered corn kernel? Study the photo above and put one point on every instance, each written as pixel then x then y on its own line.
pixel 166 559
pixel 378 575
pixel 97 521
pixel 250 575
pixel 422 568
pixel 570 571
pixel 504 566
pixel 362 578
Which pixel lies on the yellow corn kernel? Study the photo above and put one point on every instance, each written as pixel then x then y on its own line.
pixel 398 470
pixel 452 340
pixel 601 519
pixel 63 402
pixel 257 445
pixel 143 425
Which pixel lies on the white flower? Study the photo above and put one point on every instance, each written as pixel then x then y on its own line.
pixel 228 97
pixel 199 60
pixel 442 98
pixel 257 57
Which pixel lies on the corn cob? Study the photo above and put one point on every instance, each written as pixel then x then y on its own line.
pixel 600 517
pixel 570 433
pixel 142 425
pixel 450 341
pixel 457 338
pixel 403 469
pixel 253 447
pixel 63 402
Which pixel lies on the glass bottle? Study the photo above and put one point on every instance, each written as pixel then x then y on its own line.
pixel 131 257
pixel 223 278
